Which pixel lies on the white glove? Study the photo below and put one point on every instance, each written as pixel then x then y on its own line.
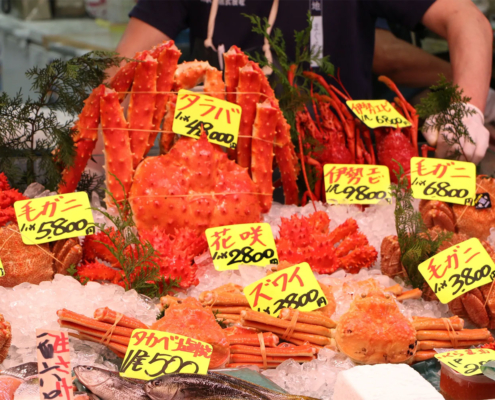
pixel 475 125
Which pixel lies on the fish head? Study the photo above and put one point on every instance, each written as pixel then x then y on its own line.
pixel 91 376
pixel 161 389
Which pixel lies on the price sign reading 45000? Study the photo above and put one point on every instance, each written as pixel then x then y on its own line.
pixel 54 218
pixel 444 180
pixel 154 353
pixel 467 362
pixel 233 245
pixel 294 287
pixel 353 184
pixel 219 118
pixel 458 269
pixel 377 113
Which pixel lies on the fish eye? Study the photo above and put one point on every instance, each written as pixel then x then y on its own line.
pixel 88 368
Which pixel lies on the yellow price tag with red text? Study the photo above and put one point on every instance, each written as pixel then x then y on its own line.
pixel 444 180
pixel 377 113
pixel 356 184
pixel 152 354
pixel 467 362
pixel 220 119
pixel 294 287
pixel 233 245
pixel 2 270
pixel 52 218
pixel 458 269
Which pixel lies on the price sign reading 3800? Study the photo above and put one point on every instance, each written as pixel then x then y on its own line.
pixel 233 245
pixel 458 269
pixel 377 113
pixel 444 180
pixel 154 353
pixel 54 218
pixel 467 362
pixel 219 118
pixel 352 184
pixel 295 287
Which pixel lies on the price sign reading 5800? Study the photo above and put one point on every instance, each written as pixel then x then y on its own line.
pixel 458 269
pixel 444 180
pixel 294 287
pixel 353 184
pixel 220 119
pixel 54 218
pixel 233 245
pixel 377 113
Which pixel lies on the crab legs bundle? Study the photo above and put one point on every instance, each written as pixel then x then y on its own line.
pixel 152 80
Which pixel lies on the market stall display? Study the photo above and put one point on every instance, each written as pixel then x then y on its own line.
pixel 148 266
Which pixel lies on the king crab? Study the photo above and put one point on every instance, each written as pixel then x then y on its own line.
pixel 201 177
pixel 5 338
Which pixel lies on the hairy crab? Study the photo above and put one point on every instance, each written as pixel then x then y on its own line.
pixel 5 338
pixel 36 263
pixel 8 197
pixel 200 176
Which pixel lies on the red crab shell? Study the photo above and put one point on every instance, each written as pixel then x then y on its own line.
pixel 395 146
pixel 8 197
pixel 196 186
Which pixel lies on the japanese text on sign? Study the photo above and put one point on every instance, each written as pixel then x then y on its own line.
pixel 467 362
pixel 356 184
pixel 154 353
pixel 377 113
pixel 294 287
pixel 458 269
pixel 54 218
pixel 220 119
pixel 233 245
pixel 444 180
pixel 54 369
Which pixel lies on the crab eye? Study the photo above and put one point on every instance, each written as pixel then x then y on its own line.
pixel 156 383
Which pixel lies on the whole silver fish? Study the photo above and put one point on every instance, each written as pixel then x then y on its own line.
pixel 108 385
pixel 213 386
pixel 22 371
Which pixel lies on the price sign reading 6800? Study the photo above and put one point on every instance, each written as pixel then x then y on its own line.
pixel 54 218
pixel 377 113
pixel 219 118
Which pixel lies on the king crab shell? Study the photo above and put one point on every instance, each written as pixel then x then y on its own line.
pixel 5 338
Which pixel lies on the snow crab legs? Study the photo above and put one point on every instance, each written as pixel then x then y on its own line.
pixel 151 80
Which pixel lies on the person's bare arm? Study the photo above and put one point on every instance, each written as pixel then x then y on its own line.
pixel 470 37
pixel 406 64
pixel 138 36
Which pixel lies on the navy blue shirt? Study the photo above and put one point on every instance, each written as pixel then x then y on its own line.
pixel 348 27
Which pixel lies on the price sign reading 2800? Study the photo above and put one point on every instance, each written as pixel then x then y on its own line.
pixel 54 218
pixel 220 119
pixel 377 113
pixel 458 269
pixel 444 180
pixel 233 245
pixel 353 184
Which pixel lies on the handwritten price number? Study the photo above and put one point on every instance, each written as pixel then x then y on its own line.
pixel 360 192
pixel 296 301
pixel 467 362
pixel 244 256
pixel 465 277
pixel 172 364
pixel 195 130
pixel 441 190
pixel 383 119
pixel 57 228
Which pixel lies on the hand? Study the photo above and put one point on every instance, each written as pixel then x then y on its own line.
pixel 475 126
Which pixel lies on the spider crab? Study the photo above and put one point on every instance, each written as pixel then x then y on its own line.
pixel 194 184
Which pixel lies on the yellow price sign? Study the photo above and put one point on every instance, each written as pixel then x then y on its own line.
pixel 53 218
pixel 356 184
pixel 2 270
pixel 444 180
pixel 377 113
pixel 294 287
pixel 467 362
pixel 152 354
pixel 233 245
pixel 220 119
pixel 458 269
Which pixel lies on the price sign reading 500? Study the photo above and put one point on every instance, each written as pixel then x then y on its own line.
pixel 458 269
pixel 54 218
pixel 377 113
pixel 219 118
pixel 444 180
pixel 352 184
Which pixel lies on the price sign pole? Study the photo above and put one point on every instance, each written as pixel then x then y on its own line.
pixel 458 269
pixel 220 119
pixel 467 362
pixel 53 218
pixel 377 113
pixel 444 180
pixel 352 184
pixel 295 287
pixel 233 245
pixel 152 354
